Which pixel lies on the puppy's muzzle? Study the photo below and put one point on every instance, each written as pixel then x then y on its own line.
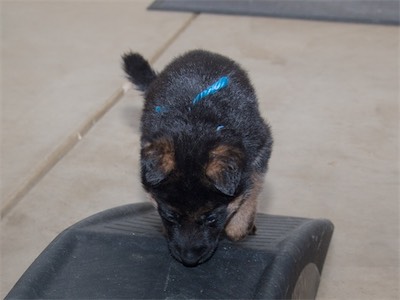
pixel 191 257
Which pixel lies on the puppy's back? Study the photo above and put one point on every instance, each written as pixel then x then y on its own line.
pixel 229 115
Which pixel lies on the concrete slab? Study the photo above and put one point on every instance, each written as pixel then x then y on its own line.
pixel 99 173
pixel 60 65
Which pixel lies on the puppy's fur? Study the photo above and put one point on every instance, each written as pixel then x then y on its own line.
pixel 202 164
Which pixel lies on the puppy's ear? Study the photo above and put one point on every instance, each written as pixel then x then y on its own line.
pixel 224 168
pixel 158 160
pixel 138 70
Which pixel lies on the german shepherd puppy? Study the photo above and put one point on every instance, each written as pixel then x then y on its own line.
pixel 204 149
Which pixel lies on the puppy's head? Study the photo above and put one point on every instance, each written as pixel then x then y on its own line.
pixel 192 190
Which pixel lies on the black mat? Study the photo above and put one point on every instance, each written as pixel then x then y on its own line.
pixel 121 253
pixel 360 11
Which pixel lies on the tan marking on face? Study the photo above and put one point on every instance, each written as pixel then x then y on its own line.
pixel 218 159
pixel 163 151
pixel 168 157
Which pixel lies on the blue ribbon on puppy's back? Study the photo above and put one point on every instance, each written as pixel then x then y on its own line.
pixel 215 87
pixel 212 89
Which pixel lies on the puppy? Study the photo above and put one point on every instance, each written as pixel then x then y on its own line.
pixel 204 149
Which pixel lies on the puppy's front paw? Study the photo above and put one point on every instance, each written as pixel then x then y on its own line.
pixel 237 232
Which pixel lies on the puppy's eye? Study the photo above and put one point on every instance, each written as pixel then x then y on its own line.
pixel 210 220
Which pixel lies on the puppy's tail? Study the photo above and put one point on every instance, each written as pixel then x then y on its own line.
pixel 138 70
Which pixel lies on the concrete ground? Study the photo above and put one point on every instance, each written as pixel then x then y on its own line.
pixel 70 133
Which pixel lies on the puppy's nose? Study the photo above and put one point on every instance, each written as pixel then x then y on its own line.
pixel 190 258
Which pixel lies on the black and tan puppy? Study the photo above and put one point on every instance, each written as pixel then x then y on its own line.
pixel 204 149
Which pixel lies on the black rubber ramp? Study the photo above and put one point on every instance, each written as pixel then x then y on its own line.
pixel 359 11
pixel 121 253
